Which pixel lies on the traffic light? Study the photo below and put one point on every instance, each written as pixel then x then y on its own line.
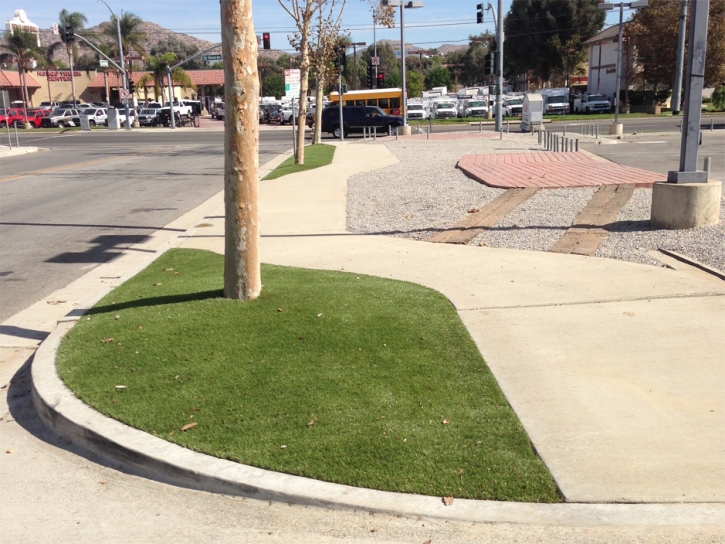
pixel 488 64
pixel 131 86
pixel 67 36
pixel 371 77
pixel 479 14
pixel 265 40
pixel 381 80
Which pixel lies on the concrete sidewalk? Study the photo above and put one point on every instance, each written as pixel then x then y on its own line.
pixel 615 369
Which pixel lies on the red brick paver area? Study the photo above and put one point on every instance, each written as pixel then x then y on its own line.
pixel 452 136
pixel 551 170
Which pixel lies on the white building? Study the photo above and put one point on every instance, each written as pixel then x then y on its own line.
pixel 21 22
pixel 603 62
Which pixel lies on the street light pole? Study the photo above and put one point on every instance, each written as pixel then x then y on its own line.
pixel 375 44
pixel 499 73
pixel 355 80
pixel 404 101
pixel 677 89
pixel 124 79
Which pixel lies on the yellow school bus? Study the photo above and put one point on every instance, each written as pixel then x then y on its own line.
pixel 388 100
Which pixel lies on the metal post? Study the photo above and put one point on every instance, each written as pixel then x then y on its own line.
pixel 124 79
pixel 507 127
pixel 499 74
pixel 480 126
pixel 375 46
pixel 342 125
pixel 696 52
pixel 294 140
pixel 402 58
pixel 17 142
pixel 706 166
pixel 564 130
pixel 677 89
pixel 500 134
pixel 171 97
pixel 375 133
pixel 430 124
pixel 428 134
pixel 596 131
pixel 712 125
pixel 619 65
pixel 576 148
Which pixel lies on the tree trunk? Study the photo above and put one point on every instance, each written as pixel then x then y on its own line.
pixel 242 277
pixel 319 96
pixel 304 85
pixel 26 99
pixel 47 77
pixel 72 79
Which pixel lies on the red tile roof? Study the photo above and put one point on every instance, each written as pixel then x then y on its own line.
pixel 12 79
pixel 198 77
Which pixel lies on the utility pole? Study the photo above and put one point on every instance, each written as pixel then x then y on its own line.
pixel 499 73
pixel 375 43
pixel 677 89
pixel 242 276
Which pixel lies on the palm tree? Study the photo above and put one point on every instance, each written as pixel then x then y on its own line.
pixel 132 38
pixel 158 65
pixel 77 21
pixel 47 61
pixel 21 47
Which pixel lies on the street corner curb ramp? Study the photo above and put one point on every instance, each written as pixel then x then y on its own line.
pixel 148 456
pixel 551 171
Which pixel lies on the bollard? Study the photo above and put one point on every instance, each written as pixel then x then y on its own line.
pixel 596 131
pixel 375 133
pixel 507 127
pixel 500 134
pixel 480 126
pixel 17 142
pixel 576 147
pixel 428 134
pixel 706 166
pixel 396 134
pixel 564 130
pixel 539 135
pixel 712 124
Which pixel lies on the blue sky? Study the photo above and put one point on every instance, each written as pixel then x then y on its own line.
pixel 440 21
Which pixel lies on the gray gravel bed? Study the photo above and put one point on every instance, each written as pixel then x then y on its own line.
pixel 424 193
pixel 539 222
pixel 632 237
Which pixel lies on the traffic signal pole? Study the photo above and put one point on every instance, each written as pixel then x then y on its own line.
pixel 499 71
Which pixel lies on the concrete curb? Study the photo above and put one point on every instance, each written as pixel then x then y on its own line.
pixel 15 151
pixel 145 455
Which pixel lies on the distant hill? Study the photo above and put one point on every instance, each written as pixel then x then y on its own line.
pixel 450 48
pixel 154 32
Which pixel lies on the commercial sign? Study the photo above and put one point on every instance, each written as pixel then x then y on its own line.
pixel 103 63
pixel 292 90
pixel 58 75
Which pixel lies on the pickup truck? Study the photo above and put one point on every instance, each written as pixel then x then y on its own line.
pixel 592 103
pixel 182 109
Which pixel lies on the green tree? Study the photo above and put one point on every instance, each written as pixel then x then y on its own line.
pixel 182 51
pixel 218 65
pixel 132 37
pixel 531 27
pixel 655 29
pixel 389 63
pixel 21 48
pixel 438 77
pixel 414 83
pixel 158 65
pixel 273 85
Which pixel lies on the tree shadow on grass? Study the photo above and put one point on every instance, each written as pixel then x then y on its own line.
pixel 156 301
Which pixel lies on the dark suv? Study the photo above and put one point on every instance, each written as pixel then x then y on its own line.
pixel 356 118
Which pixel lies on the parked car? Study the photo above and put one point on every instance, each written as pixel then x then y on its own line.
pixel 149 117
pixel 96 116
pixel 13 116
pixel 60 117
pixel 50 106
pixel 164 116
pixel 592 103
pixel 35 116
pixel 513 106
pixel 357 118
pixel 121 114
pixel 417 111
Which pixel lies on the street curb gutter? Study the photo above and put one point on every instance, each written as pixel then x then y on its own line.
pixel 147 456
pixel 692 262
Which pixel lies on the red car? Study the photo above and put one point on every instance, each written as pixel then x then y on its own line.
pixel 36 116
pixel 12 116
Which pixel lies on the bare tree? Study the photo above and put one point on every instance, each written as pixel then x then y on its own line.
pixel 325 36
pixel 242 277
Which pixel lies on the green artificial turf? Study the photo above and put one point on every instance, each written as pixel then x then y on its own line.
pixel 316 155
pixel 366 381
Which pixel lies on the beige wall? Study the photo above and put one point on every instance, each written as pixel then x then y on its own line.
pixel 60 85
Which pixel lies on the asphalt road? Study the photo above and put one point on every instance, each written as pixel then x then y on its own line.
pixel 91 195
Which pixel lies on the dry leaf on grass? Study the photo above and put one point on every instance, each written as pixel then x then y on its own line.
pixel 283 446
pixel 319 315
pixel 189 426
pixel 121 387
pixel 444 422
pixel 107 340
pixel 157 284
pixel 447 501
pixel 168 269
pixel 279 309
pixel 310 423
pixel 117 316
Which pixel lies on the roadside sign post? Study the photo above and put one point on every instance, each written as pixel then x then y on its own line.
pixel 292 87
pixel 5 103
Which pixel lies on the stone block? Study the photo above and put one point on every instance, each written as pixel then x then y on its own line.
pixel 685 205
